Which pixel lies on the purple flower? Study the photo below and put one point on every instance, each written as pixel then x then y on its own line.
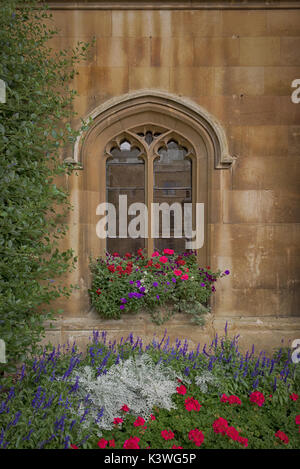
pixel 123 300
pixel 157 296
pixel 122 306
pixel 155 284
pixel 131 282
pixel 202 284
pixel 227 272
pixel 174 280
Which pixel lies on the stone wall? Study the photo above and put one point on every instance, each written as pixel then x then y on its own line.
pixel 238 64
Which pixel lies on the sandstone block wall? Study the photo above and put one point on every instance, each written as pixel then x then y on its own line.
pixel 239 66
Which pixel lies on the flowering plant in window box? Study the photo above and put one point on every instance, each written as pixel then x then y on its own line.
pixel 162 285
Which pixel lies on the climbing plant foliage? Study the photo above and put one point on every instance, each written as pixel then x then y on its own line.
pixel 35 129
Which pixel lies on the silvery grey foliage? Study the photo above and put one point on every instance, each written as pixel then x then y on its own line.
pixel 205 379
pixel 137 382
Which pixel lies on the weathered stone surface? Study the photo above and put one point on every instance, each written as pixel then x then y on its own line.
pixel 239 81
pixel 244 23
pixel 260 51
pixel 238 65
pixel 216 51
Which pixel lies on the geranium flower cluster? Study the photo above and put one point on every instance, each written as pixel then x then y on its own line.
pixel 128 283
pixel 230 399
pixel 221 426
pixel 196 436
pixel 257 398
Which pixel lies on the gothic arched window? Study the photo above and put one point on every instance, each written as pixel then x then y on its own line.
pixel 153 166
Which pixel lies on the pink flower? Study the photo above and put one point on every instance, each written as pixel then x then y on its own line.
pixel 282 436
pixel 192 404
pixel 117 420
pixel 125 408
pixel 112 444
pixel 177 447
pixel 184 277
pixel 181 390
pixel 196 436
pixel 132 443
pixel 139 422
pixel 163 259
pixel 294 397
pixel 102 443
pixel 297 419
pixel 74 447
pixel 152 417
pixel 224 398
pixel 168 251
pixel 155 254
pixel 220 425
pixel 257 397
pixel 177 272
pixel 167 435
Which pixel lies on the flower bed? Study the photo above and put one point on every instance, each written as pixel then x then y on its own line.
pixel 158 396
pixel 133 283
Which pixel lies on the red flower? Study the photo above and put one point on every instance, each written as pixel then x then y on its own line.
pixel 181 390
pixel 139 422
pixel 196 436
pixel 224 398
pixel 184 277
pixel 128 255
pixel 112 444
pixel 177 447
pixel 117 420
pixel 220 425
pixel 74 447
pixel 152 417
pixel 297 419
pixel 111 268
pixel 243 441
pixel 232 433
pixel 294 397
pixel 116 254
pixel 98 291
pixel 192 404
pixel 102 443
pixel 167 435
pixel 282 436
pixel 180 262
pixel 125 408
pixel 132 443
pixel 257 397
pixel 234 400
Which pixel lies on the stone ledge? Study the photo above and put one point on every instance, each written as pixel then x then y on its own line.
pixel 265 333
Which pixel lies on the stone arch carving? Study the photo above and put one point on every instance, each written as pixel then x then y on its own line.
pixel 197 117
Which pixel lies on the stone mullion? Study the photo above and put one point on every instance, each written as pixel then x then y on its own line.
pixel 149 200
